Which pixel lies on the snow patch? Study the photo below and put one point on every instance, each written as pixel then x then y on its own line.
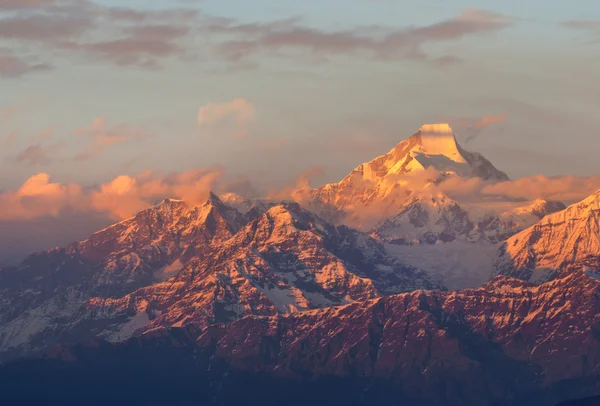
pixel 135 323
pixel 457 265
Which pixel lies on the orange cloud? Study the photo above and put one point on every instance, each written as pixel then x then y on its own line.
pixel 239 112
pixel 472 127
pixel 124 196
pixel 8 112
pixel 101 136
pixel 10 140
pixel 300 190
pixel 568 189
pixel 39 197
pixel 489 120
pixel 119 198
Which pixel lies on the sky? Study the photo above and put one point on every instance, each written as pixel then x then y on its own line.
pixel 102 97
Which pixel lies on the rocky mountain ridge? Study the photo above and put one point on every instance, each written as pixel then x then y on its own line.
pixel 173 265
pixel 507 343
pixel 562 242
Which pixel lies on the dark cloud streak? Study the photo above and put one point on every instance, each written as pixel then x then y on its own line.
pixel 14 67
pixel 394 44
pixel 145 38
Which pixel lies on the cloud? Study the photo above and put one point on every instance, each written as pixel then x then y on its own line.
pixel 241 187
pixel 96 138
pixel 10 140
pixel 23 4
pixel 100 136
pixel 147 37
pixel 582 24
pixel 394 44
pixel 305 177
pixel 270 145
pixel 569 189
pixel 489 120
pixel 300 190
pixel 239 112
pixel 37 197
pixel 13 67
pixel 8 112
pixel 475 129
pixel 124 196
pixel 142 45
pixel 86 29
pixel 35 155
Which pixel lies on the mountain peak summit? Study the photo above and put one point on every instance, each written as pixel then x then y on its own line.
pixel 438 139
pixel 432 146
pixel 214 199
pixel 439 128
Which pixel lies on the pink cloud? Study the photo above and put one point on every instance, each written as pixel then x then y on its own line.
pixel 100 136
pixel 13 67
pixel 122 197
pixel 393 44
pixel 238 112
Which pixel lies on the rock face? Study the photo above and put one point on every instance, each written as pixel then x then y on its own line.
pixel 549 333
pixel 508 343
pixel 562 242
pixel 173 265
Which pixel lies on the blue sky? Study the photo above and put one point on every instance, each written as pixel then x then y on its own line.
pixel 320 106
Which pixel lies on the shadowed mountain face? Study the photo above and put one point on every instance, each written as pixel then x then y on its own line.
pixel 582 402
pixel 491 346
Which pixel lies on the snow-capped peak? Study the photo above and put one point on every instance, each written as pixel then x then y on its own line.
pixel 432 146
pixel 442 128
pixel 439 139
pixel 429 155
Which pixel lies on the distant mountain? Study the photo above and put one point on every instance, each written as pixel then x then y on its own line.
pixel 405 198
pixel 508 343
pixel 172 265
pixel 399 191
pixel 433 146
pixel 562 242
pixel 428 218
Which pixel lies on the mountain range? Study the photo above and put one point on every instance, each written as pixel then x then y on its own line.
pixel 172 264
pixel 346 287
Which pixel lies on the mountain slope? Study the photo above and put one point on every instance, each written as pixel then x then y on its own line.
pixel 285 260
pixel 508 343
pixel 173 265
pixel 118 260
pixel 562 242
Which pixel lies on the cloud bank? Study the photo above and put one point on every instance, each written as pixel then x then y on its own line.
pixel 147 38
